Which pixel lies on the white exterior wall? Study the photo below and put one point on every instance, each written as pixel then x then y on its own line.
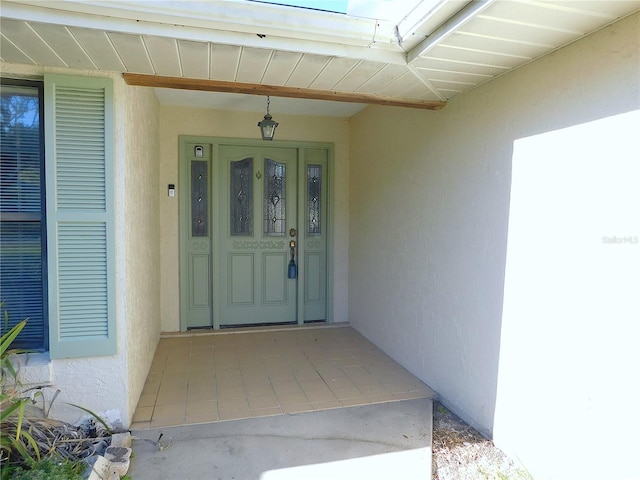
pixel 429 211
pixel 175 121
pixel 115 382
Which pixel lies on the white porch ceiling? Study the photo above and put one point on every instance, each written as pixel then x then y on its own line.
pixel 433 51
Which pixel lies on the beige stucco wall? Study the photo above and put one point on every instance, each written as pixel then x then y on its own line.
pixel 429 205
pixel 175 121
pixel 113 383
pixel 139 131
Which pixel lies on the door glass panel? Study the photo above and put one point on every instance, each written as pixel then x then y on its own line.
pixel 274 198
pixel 242 198
pixel 199 199
pixel 314 199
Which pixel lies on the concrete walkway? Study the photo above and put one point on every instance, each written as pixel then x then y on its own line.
pixel 381 441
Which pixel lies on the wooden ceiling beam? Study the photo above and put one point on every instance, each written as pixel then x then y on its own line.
pixel 155 81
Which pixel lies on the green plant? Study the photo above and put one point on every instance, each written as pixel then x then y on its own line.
pixel 14 440
pixel 30 441
pixel 50 469
pixel 8 369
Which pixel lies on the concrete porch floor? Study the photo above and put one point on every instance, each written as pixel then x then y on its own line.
pixel 205 377
pixel 383 441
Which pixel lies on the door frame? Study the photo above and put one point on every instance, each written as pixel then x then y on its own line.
pixel 184 157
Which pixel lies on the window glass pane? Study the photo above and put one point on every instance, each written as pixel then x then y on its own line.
pixel 199 199
pixel 20 146
pixel 314 199
pixel 22 286
pixel 242 197
pixel 274 198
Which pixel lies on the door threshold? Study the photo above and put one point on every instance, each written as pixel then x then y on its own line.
pixel 254 329
pixel 258 325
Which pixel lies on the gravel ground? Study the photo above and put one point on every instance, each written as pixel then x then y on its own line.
pixel 461 453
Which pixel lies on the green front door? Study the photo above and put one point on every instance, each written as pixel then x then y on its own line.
pixel 257 215
pixel 242 205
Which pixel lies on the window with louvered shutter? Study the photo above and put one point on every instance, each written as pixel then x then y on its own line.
pixel 80 217
pixel 22 225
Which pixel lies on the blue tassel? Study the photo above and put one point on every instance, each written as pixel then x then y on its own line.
pixel 293 269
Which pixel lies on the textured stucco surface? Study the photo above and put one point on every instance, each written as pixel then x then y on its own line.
pixel 175 121
pixel 429 206
pixel 139 131
pixel 570 328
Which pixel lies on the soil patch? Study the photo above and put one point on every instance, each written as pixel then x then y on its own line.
pixel 461 453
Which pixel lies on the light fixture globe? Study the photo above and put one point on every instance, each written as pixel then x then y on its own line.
pixel 267 125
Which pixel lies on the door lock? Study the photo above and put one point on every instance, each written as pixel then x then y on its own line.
pixel 292 232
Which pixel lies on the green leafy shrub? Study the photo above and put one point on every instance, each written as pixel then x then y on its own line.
pixel 50 469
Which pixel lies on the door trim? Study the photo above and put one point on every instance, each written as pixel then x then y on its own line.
pixel 184 156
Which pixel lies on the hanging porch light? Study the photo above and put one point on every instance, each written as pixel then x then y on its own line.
pixel 267 125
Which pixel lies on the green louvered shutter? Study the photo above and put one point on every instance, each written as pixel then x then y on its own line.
pixel 80 217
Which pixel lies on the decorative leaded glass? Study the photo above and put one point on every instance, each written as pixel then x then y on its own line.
pixel 314 199
pixel 274 198
pixel 199 199
pixel 242 197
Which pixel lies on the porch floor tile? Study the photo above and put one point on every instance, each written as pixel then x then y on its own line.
pixel 205 377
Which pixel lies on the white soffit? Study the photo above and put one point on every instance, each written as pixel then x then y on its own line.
pixel 430 50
